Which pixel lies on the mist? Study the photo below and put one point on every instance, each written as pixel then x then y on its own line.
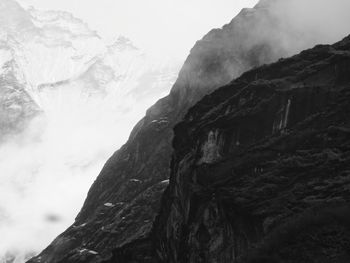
pixel 276 29
pixel 318 21
pixel 294 25
pixel 89 95
pixel 47 169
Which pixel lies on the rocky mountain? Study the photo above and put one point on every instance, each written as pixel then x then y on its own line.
pixel 123 202
pixel 260 171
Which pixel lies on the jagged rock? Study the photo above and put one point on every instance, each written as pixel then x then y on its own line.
pixel 281 194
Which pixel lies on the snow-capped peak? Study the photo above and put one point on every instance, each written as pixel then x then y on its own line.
pixel 48 45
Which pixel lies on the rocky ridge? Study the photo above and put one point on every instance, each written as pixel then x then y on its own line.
pixel 260 171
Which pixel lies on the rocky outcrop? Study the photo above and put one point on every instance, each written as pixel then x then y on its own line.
pixel 260 171
pixel 123 201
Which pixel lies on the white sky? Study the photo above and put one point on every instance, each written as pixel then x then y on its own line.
pixel 161 26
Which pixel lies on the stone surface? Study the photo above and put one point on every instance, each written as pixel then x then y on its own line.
pixel 282 193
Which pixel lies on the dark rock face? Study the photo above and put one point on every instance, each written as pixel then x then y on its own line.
pixel 124 200
pixel 260 171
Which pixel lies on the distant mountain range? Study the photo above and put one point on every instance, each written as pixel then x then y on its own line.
pixel 42 50
pixel 56 70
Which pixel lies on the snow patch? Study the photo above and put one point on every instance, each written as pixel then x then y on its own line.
pixel 165 181
pixel 84 250
pixel 135 180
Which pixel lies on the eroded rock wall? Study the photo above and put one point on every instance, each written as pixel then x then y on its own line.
pixel 260 171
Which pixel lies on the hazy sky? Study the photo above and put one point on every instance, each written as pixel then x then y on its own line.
pixel 153 25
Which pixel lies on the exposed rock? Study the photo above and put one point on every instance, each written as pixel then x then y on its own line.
pixel 283 193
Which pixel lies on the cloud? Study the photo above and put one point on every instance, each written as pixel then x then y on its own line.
pixel 46 171
pixel 323 20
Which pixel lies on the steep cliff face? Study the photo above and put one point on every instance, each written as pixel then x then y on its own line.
pixel 260 171
pixel 122 203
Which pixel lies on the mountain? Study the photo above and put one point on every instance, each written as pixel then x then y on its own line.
pixel 49 46
pixel 37 47
pixel 17 107
pixel 123 202
pixel 68 99
pixel 122 73
pixel 260 171
pixel 55 49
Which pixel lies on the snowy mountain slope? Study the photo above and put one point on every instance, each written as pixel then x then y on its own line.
pixel 55 49
pixel 68 100
pixel 16 106
pixel 38 47
pixel 49 46
pixel 122 72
